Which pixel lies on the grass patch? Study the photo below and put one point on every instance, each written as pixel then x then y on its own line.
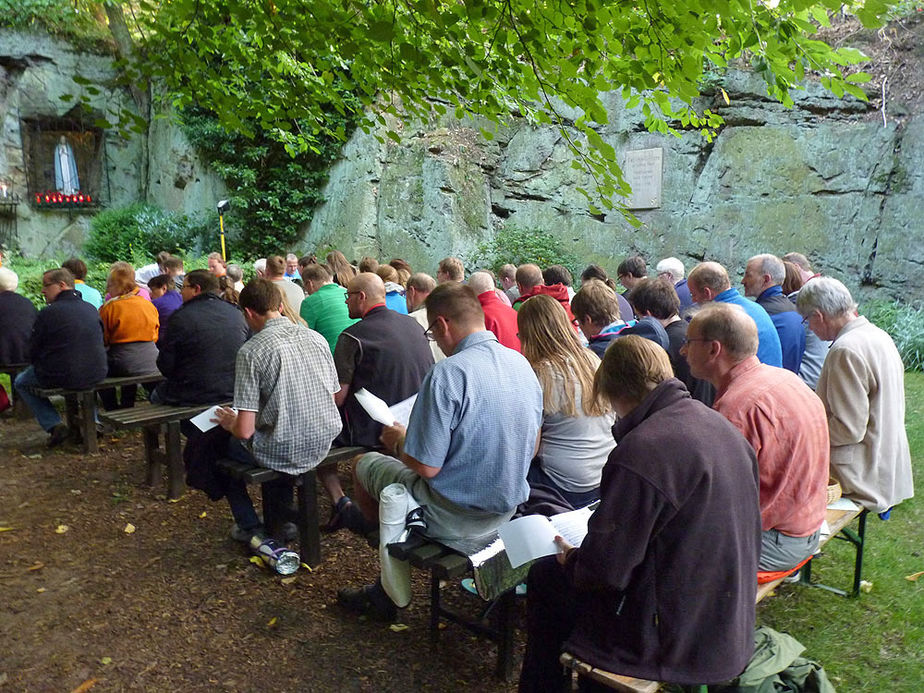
pixel 875 642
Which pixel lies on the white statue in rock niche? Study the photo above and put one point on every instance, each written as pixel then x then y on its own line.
pixel 66 180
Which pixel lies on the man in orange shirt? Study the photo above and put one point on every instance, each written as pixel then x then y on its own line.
pixel 782 419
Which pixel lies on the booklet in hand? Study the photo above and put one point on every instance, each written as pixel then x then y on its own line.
pixel 533 536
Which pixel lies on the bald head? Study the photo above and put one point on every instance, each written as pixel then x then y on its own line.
pixel 719 337
pixel 481 282
pixel 364 291
pixel 707 280
pixel 370 284
pixel 528 277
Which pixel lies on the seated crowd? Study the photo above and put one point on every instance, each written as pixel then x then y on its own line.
pixel 706 424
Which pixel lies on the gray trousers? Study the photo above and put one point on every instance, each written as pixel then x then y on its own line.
pixel 780 551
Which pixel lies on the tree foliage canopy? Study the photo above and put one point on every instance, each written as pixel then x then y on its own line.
pixel 488 58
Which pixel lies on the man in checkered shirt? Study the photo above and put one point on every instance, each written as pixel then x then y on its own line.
pixel 285 416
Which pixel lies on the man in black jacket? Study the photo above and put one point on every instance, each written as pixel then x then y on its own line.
pixel 198 352
pixel 17 315
pixel 66 350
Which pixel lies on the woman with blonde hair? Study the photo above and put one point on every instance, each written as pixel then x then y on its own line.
pixel 575 438
pixel 131 326
pixel 342 270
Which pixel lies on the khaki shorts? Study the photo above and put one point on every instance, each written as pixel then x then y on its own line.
pixel 447 522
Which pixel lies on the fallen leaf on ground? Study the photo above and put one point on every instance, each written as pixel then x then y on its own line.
pixel 272 622
pixel 129 528
pixel 914 576
pixel 397 627
pixel 866 587
pixel 105 660
pixel 203 514
pixel 256 560
pixel 61 529
pixel 175 500
pixel 38 566
pixel 288 580
pixel 40 590
pixel 307 567
pixel 85 686
pixel 7 529
pixel 36 456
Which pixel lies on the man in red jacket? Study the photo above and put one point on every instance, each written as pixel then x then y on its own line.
pixel 530 283
pixel 498 318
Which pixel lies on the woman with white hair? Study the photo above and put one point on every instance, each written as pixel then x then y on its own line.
pixel 862 385
pixel 17 314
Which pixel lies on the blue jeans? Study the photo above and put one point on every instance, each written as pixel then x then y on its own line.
pixel 277 495
pixel 42 408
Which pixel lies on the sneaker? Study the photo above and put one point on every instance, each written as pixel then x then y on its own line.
pixel 242 535
pixel 346 515
pixel 368 600
pixel 795 577
pixel 59 434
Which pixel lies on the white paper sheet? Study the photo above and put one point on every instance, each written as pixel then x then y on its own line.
pixel 204 421
pixel 533 536
pixel 379 411
pixel 843 504
pixel 375 407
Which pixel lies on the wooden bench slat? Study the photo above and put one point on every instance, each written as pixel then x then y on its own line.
pixel 451 566
pixel 102 385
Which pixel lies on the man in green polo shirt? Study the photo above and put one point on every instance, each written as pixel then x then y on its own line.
pixel 324 308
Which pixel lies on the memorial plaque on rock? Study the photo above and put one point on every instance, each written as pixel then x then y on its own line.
pixel 642 170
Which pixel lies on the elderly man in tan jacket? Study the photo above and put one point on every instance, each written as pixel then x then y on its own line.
pixel 862 387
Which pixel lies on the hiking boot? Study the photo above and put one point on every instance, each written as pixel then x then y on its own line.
pixel 368 600
pixel 59 434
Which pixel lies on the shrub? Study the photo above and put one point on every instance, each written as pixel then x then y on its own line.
pixel 138 232
pixel 905 324
pixel 517 246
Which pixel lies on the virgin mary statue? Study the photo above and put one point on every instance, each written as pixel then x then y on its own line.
pixel 66 180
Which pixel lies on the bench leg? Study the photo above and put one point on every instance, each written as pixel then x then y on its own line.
pixel 152 453
pixel 88 422
pixel 71 415
pixel 434 609
pixel 505 606
pixel 176 484
pixel 309 533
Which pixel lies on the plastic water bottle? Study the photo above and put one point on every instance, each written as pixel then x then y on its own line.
pixel 284 561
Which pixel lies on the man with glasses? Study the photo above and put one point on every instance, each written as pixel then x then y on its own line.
pixel 468 444
pixel 782 419
pixel 66 350
pixel 385 352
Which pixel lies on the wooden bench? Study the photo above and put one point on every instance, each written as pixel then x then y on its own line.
pixel 305 515
pixel 80 404
pixel 20 410
pixel 444 563
pixel 838 521
pixel 154 419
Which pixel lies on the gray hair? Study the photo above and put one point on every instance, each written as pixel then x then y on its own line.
pixel 259 266
pixel 672 266
pixel 481 282
pixel 235 273
pixel 771 265
pixel 826 295
pixel 8 279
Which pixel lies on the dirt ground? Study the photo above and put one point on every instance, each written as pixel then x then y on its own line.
pixel 176 604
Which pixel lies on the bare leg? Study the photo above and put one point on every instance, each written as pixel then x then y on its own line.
pixel 331 482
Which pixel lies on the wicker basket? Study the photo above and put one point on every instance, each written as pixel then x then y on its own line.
pixel 834 490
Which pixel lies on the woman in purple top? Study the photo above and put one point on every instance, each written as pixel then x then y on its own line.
pixel 165 298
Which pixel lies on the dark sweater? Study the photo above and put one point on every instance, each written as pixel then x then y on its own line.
pixel 67 343
pixel 788 324
pixel 386 353
pixel 666 574
pixel 198 352
pixel 17 316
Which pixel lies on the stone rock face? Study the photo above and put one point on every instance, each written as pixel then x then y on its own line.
pixel 825 178
pixel 35 72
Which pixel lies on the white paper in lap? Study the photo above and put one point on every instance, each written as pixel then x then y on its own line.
pixel 394 504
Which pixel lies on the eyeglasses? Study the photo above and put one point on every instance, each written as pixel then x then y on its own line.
pixel 428 333
pixel 687 340
pixel 350 293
